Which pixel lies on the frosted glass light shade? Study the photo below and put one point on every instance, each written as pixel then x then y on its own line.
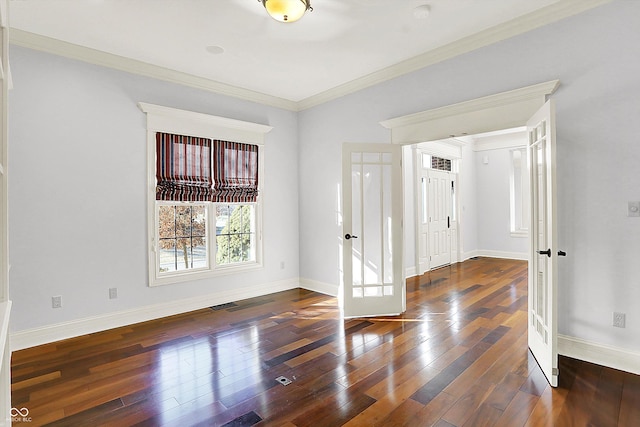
pixel 286 10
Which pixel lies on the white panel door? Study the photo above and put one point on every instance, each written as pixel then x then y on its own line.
pixel 440 211
pixel 423 222
pixel 373 277
pixel 543 253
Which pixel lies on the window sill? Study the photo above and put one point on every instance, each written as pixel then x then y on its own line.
pixel 168 279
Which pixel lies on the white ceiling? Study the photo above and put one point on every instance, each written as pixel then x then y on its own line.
pixel 339 42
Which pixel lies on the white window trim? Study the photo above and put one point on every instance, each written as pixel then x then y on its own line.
pixel 182 122
pixel 519 197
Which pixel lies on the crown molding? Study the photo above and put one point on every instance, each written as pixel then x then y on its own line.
pixel 93 56
pixel 555 12
pixel 552 13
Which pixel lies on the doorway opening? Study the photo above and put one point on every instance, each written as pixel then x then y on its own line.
pixel 480 181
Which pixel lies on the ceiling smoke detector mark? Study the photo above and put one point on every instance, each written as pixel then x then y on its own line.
pixel 283 380
pixel 215 50
pixel 422 11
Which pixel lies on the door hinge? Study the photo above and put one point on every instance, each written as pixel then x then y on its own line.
pixel 555 372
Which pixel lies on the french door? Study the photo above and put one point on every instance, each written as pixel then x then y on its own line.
pixel 543 253
pixel 373 277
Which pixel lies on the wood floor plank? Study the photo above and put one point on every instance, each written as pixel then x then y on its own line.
pixel 518 411
pixel 457 357
pixel 630 405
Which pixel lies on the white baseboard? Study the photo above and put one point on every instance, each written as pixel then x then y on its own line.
pixel 469 255
pixel 410 272
pixel 321 287
pixel 501 254
pixel 600 354
pixel 50 333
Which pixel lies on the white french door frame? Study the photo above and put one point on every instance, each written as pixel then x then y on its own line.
pixel 504 110
pixel 542 292
pixel 372 240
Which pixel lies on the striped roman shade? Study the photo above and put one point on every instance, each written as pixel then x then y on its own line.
pixel 183 168
pixel 235 172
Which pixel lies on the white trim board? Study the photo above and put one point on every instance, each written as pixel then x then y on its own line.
pixel 546 15
pixel 600 354
pixel 504 110
pixel 321 287
pixel 88 325
pixel 523 256
pixel 92 56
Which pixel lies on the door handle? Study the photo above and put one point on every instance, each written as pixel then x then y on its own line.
pixel 547 252
pixel 562 253
pixel 448 222
pixel 349 236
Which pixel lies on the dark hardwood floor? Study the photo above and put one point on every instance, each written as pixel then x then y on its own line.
pixel 457 357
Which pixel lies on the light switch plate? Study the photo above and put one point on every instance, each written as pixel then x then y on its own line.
pixel 634 209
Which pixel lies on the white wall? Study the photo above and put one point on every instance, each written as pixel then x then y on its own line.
pixel 468 203
pixel 493 201
pixel 78 215
pixel 596 56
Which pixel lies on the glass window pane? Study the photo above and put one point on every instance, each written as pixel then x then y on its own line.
pixel 167 255
pixel 373 291
pixel 199 221
pixel 166 215
pixel 222 248
pixel 371 228
pixel 235 248
pixel 183 221
pixel 183 253
pixel 182 232
pixel 371 158
pixel 235 230
pixel 199 256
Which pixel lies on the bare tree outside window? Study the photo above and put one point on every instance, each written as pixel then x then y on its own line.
pixel 182 237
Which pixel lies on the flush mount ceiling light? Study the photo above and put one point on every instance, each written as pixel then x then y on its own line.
pixel 286 10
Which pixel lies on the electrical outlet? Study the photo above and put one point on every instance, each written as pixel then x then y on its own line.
pixel 113 293
pixel 56 302
pixel 619 320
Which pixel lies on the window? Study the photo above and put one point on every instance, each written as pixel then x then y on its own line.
pixel 205 190
pixel 235 234
pixel 519 192
pixel 182 237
